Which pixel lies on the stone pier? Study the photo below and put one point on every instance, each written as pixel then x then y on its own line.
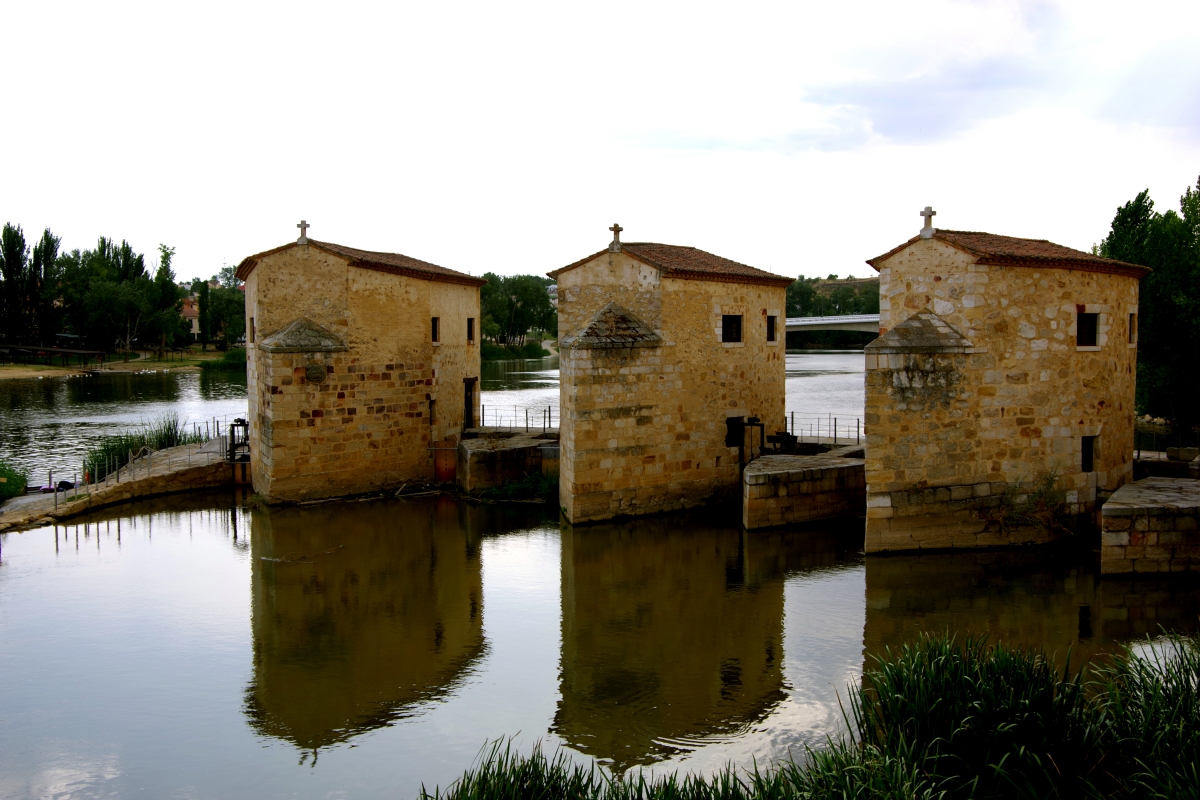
pixel 490 457
pixel 1152 525
pixel 779 490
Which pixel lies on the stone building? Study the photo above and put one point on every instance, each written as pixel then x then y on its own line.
pixel 665 350
pixel 1003 366
pixel 357 362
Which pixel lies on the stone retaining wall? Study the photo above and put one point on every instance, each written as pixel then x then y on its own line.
pixel 493 460
pixel 778 490
pixel 1152 525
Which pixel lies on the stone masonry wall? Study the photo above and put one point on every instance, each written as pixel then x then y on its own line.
pixel 1152 525
pixel 780 490
pixel 366 425
pixel 643 429
pixel 947 433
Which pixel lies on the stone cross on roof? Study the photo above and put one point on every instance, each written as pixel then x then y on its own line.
pixel 303 226
pixel 615 247
pixel 928 230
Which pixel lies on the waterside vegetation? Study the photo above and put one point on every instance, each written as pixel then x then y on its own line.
pixel 114 452
pixel 12 481
pixel 232 360
pixel 943 718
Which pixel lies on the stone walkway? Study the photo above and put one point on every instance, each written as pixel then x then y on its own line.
pixel 1152 525
pixel 176 469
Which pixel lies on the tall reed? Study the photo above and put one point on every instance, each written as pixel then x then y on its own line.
pixel 942 718
pixel 115 451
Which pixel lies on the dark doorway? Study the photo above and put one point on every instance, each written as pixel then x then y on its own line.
pixel 469 402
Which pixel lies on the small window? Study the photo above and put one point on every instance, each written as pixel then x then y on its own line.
pixel 433 411
pixel 1133 328
pixel 1089 453
pixel 731 328
pixel 1085 329
pixel 252 329
pixel 435 329
pixel 770 328
pixel 470 329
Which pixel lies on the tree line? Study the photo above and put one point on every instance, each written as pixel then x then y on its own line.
pixel 1168 370
pixel 513 305
pixel 105 298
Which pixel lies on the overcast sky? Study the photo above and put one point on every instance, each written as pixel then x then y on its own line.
pixel 797 137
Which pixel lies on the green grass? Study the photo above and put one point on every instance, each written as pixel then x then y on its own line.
pixel 494 352
pixel 234 360
pixel 114 451
pixel 940 718
pixel 12 481
pixel 536 486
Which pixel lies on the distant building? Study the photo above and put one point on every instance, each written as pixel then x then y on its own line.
pixel 357 362
pixel 665 352
pixel 1001 363
pixel 191 316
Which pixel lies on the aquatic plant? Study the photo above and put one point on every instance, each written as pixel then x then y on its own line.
pixel 12 481
pixel 940 718
pixel 115 451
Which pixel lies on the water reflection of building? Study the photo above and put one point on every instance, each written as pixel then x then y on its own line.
pixel 672 633
pixel 359 614
pixel 1056 602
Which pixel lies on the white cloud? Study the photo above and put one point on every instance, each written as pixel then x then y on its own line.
pixel 796 137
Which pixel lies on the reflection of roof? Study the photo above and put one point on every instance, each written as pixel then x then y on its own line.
pixel 991 248
pixel 394 263
pixel 688 262
pixel 614 327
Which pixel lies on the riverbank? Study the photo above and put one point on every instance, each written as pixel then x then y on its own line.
pixel 26 371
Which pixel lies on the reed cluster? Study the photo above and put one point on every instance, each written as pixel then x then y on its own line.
pixel 497 352
pixel 942 718
pixel 115 451
pixel 12 481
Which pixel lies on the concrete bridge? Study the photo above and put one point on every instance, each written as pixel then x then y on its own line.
pixel 867 323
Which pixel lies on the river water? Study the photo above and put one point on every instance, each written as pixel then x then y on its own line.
pixel 49 423
pixel 191 647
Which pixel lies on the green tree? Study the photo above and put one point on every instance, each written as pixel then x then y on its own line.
pixel 14 262
pixel 204 309
pixel 513 305
pixel 1168 380
pixel 166 326
pixel 43 289
pixel 228 315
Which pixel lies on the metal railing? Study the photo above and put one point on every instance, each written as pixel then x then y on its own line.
pixel 519 418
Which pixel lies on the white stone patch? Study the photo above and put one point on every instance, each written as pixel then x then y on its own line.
pixel 1039 344
pixel 942 307
pixel 1026 330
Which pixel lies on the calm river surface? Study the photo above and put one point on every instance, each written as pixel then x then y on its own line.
pixel 49 423
pixel 189 648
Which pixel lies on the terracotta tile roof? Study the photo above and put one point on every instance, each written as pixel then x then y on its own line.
pixel 991 248
pixel 394 263
pixel 688 262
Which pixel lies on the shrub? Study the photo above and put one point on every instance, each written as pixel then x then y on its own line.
pixel 495 352
pixel 233 360
pixel 12 481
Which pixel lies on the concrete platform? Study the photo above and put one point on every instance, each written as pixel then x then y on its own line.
pixel 780 490
pixel 1151 525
